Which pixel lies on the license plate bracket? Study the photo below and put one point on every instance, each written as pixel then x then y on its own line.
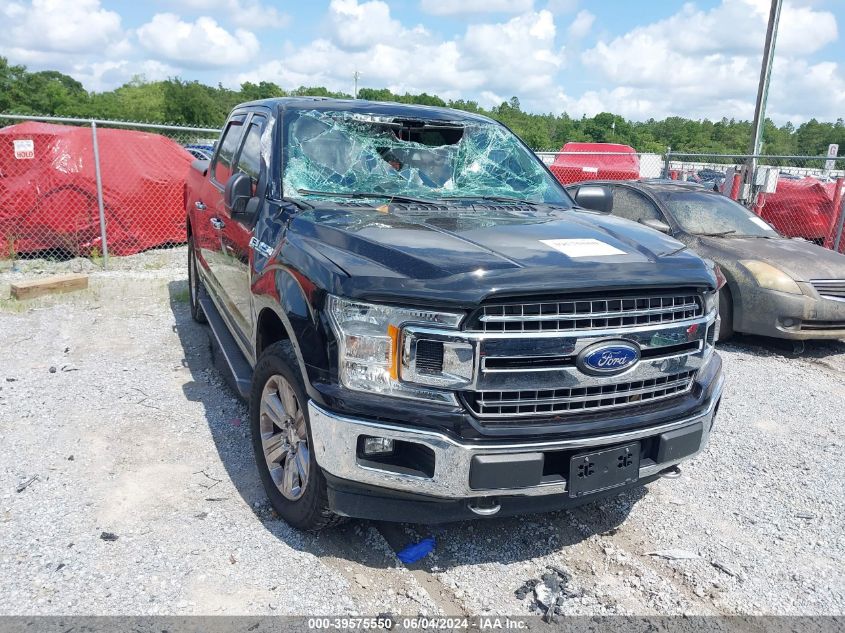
pixel 602 470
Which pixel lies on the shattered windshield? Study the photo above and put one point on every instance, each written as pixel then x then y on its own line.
pixel 712 214
pixel 349 154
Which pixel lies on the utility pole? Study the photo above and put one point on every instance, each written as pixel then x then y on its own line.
pixel 763 89
pixel 355 76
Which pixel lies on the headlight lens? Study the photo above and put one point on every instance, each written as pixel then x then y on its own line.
pixel 368 346
pixel 711 301
pixel 711 298
pixel 768 276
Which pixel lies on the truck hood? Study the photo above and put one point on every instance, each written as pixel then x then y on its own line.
pixel 799 259
pixel 466 254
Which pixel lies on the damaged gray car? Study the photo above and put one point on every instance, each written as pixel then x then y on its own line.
pixel 776 286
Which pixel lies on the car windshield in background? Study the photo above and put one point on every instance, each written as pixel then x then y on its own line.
pixel 713 214
pixel 349 154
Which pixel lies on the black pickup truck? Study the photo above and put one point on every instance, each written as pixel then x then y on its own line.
pixel 428 328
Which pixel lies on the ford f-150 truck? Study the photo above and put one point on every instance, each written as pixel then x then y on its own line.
pixel 428 328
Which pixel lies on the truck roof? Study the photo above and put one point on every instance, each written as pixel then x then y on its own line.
pixel 385 108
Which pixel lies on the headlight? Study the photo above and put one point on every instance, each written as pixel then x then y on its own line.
pixel 711 301
pixel 711 298
pixel 767 276
pixel 369 339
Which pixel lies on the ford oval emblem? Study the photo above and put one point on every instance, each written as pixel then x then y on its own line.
pixel 608 358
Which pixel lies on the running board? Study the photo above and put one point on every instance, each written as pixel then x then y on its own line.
pixel 239 367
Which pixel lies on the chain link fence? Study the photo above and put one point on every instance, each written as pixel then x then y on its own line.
pixel 572 167
pixel 800 196
pixel 91 188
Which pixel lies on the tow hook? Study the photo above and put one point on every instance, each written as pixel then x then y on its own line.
pixel 671 473
pixel 484 507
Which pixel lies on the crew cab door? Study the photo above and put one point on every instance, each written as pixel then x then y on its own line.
pixel 236 261
pixel 211 210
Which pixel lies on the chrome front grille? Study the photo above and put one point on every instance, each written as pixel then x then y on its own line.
pixel 830 288
pixel 588 313
pixel 509 404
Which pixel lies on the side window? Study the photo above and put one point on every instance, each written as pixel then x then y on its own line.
pixel 631 205
pixel 249 161
pixel 222 167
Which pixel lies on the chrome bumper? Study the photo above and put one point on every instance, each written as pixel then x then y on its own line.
pixel 335 439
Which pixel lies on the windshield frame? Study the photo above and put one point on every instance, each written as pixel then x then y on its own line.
pixel 664 198
pixel 288 116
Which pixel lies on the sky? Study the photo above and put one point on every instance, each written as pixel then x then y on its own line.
pixel 640 59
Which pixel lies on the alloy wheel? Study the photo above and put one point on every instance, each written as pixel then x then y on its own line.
pixel 284 438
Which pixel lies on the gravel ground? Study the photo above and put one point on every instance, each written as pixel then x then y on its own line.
pixel 113 410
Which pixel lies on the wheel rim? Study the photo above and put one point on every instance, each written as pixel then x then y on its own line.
pixel 283 438
pixel 192 275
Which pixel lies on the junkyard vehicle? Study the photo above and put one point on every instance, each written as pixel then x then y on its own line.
pixel 426 327
pixel 779 287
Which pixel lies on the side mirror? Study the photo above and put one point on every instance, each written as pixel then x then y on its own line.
pixel 237 194
pixel 595 198
pixel 657 225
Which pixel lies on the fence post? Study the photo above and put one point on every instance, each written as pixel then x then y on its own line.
pixel 837 211
pixel 837 240
pixel 666 162
pixel 99 178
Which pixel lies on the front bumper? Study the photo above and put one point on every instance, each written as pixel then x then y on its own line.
pixel 454 473
pixel 791 316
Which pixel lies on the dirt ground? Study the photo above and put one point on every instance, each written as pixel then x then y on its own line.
pixel 129 487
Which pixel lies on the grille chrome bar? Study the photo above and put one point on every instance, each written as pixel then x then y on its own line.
pixel 588 313
pixel 829 288
pixel 510 404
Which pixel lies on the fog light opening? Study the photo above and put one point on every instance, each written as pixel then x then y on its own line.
pixel 395 456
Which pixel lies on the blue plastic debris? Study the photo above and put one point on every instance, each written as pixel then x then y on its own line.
pixel 414 552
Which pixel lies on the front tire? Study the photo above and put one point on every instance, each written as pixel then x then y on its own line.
pixel 281 441
pixel 195 287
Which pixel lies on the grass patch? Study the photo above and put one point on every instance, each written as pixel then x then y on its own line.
pixel 180 295
pixel 12 306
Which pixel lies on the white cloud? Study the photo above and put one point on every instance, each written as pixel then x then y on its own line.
pixel 515 57
pixel 46 30
pixel 581 25
pixel 200 44
pixel 356 26
pixel 706 63
pixel 243 13
pixel 562 6
pixel 106 75
pixel 456 7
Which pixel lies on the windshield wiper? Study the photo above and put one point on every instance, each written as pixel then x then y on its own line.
pixel 299 204
pixel 494 198
pixel 721 234
pixel 358 194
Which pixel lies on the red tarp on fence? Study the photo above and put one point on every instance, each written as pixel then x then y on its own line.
pixel 800 208
pixel 618 162
pixel 48 190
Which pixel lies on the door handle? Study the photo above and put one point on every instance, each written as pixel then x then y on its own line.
pixel 217 223
pixel 200 205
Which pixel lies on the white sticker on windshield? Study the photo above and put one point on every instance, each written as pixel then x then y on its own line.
pixel 761 223
pixel 583 248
